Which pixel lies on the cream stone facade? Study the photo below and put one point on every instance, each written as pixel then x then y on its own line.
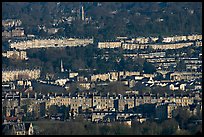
pixel 142 40
pixel 6 34
pixel 170 46
pixel 22 55
pixel 198 43
pixel 182 101
pixel 85 85
pixel 11 22
pixel 18 32
pixel 177 76
pixel 126 103
pixel 106 103
pixel 131 46
pixel 182 38
pixel 80 102
pixel 102 77
pixel 73 74
pixel 11 75
pixel 46 43
pixel 174 39
pixel 59 101
pixel 114 76
pixel 194 37
pixel 109 44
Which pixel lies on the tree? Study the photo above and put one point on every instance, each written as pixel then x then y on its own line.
pixel 169 127
pixel 121 129
pixel 190 52
pixel 53 110
pixel 182 115
pixel 73 88
pixel 78 64
pixel 182 132
pixel 105 130
pixel 158 76
pixel 160 39
pixel 141 88
pixel 116 87
pixel 149 68
pixel 181 66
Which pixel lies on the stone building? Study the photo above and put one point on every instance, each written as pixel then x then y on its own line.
pixel 22 55
pixel 165 111
pixel 19 128
pixel 18 32
pixel 46 43
pixel 132 46
pixel 125 103
pixel 24 74
pixel 178 76
pixel 111 44
pixel 59 101
pixel 80 103
pixel 170 46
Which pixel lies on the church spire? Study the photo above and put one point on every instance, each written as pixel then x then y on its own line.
pixel 62 68
pixel 82 13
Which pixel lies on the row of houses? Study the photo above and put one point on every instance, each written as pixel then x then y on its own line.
pixel 21 55
pixel 125 75
pixel 170 39
pixel 16 127
pixel 105 102
pixel 113 76
pixel 11 22
pixel 17 32
pixel 132 46
pixel 181 38
pixel 170 63
pixel 46 43
pixel 163 105
pixel 12 75
pixel 172 80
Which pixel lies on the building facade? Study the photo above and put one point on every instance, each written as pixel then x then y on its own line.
pixel 47 43
pixel 26 74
